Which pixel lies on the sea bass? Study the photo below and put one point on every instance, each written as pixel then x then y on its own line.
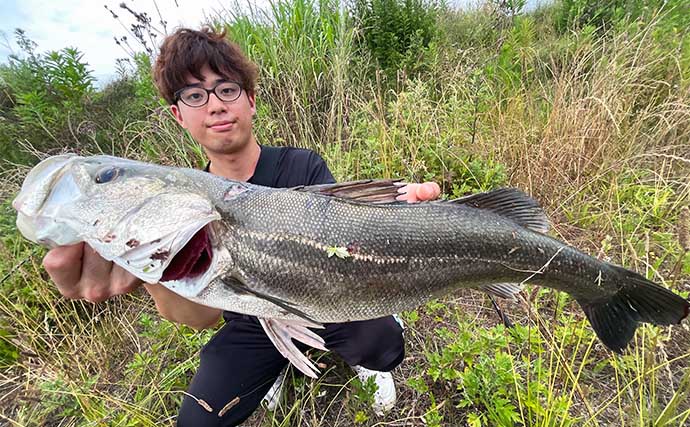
pixel 298 258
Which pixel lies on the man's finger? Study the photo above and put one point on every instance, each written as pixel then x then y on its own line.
pixel 428 191
pixel 413 193
pixel 408 193
pixel 95 276
pixel 94 266
pixel 63 265
pixel 123 281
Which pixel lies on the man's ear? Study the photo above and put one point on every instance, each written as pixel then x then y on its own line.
pixel 251 97
pixel 178 115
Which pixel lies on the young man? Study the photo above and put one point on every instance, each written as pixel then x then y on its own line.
pixel 210 86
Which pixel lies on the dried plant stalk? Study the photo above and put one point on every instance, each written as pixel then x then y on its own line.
pixel 684 228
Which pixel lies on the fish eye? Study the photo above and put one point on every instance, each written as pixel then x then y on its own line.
pixel 107 174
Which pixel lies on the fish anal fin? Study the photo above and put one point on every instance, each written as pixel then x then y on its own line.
pixel 282 332
pixel 503 290
pixel 510 203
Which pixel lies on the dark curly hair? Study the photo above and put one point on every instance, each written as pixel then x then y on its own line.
pixel 186 51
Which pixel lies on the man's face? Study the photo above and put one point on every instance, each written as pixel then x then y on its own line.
pixel 220 127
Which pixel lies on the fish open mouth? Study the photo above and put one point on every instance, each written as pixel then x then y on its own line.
pixel 192 260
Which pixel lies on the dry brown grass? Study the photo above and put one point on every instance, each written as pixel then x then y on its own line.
pixel 607 112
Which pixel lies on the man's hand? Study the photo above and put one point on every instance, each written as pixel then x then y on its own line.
pixel 81 273
pixel 419 192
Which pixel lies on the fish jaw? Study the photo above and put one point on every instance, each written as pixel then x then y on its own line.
pixel 38 184
pixel 45 188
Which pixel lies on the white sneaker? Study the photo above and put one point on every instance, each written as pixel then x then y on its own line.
pixel 399 320
pixel 272 397
pixel 384 397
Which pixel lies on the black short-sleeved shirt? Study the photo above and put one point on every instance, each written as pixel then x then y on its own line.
pixel 284 167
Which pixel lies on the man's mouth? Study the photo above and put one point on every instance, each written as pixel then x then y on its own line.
pixel 193 260
pixel 222 126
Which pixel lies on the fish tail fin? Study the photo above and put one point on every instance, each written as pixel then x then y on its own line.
pixel 638 300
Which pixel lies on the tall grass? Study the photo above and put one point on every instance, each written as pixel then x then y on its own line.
pixel 304 49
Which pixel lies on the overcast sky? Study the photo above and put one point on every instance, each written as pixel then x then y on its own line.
pixel 89 27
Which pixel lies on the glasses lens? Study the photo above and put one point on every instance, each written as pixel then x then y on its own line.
pixel 228 91
pixel 194 96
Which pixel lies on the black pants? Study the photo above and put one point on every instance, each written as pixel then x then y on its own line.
pixel 241 362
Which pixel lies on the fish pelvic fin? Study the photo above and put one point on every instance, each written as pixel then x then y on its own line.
pixel 510 203
pixel 638 300
pixel 281 333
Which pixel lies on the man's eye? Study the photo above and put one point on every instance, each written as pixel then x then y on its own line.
pixel 107 174
pixel 193 96
pixel 228 90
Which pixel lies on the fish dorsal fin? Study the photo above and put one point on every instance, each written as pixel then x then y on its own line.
pixel 510 203
pixel 376 191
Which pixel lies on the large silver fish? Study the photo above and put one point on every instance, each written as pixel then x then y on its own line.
pixel 298 258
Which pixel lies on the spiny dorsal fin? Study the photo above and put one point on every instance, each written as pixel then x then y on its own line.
pixel 510 203
pixel 377 191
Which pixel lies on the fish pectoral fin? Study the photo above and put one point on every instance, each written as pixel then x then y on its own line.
pixel 503 290
pixel 281 332
pixel 377 191
pixel 510 203
pixel 240 287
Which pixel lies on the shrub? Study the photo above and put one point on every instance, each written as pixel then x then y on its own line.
pixel 44 96
pixel 397 34
pixel 304 51
pixel 606 15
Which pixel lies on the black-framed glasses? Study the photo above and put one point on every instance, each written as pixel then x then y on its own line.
pixel 195 96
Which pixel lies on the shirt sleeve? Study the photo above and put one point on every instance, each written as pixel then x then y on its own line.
pixel 318 171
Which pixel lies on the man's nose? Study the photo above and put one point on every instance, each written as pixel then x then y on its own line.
pixel 215 104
